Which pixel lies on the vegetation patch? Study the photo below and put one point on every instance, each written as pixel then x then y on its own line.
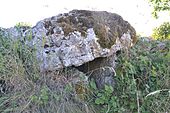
pixel 162 32
pixel 23 88
pixel 142 81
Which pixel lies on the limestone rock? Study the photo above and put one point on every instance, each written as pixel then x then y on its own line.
pixel 80 36
pixel 87 40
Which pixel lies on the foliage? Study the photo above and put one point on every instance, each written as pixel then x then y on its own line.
pixel 23 88
pixel 21 24
pixel 143 81
pixel 18 72
pixel 162 32
pixel 159 5
pixel 105 99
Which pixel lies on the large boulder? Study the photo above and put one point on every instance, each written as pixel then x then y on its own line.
pixel 86 40
pixel 80 36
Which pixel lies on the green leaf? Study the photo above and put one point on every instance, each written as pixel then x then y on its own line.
pixel 93 84
pixel 99 94
pixel 99 101
pixel 108 89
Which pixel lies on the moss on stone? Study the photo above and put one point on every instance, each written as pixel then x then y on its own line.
pixel 102 34
pixel 107 26
pixel 70 24
pixel 67 28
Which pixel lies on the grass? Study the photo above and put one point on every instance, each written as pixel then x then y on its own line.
pixel 24 88
pixel 142 83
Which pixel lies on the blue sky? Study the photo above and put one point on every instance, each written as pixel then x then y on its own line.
pixel 137 12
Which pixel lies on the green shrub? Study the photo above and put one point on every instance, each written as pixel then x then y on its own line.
pixel 142 81
pixel 162 32
pixel 143 71
pixel 21 24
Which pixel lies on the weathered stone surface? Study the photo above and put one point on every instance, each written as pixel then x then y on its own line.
pixel 87 40
pixel 80 36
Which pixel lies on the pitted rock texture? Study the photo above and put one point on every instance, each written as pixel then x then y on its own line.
pixel 78 37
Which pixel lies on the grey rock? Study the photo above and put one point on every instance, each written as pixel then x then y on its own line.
pixel 103 76
pixel 87 40
pixel 74 38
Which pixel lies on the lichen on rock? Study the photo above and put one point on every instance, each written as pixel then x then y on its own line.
pixel 68 35
pixel 107 26
pixel 78 38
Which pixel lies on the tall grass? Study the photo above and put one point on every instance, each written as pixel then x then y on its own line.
pixel 142 82
pixel 25 89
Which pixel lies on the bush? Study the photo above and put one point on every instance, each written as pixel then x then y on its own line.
pixel 22 24
pixel 162 32
pixel 142 81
